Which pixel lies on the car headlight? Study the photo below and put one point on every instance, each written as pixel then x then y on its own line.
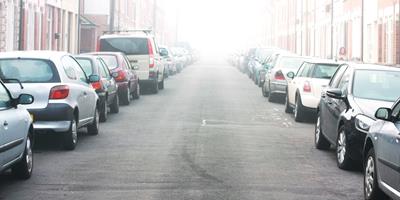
pixel 363 123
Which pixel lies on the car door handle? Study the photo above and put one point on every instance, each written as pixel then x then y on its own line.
pixel 5 123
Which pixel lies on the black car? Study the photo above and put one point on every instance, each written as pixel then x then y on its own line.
pixel 106 88
pixel 347 108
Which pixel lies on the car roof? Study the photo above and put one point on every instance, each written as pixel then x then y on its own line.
pixel 105 53
pixel 45 55
pixel 88 56
pixel 126 35
pixel 358 66
pixel 321 61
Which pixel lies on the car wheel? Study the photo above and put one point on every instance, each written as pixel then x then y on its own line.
pixel 71 136
pixel 299 110
pixel 23 169
pixel 103 112
pixel 342 152
pixel 264 92
pixel 288 109
pixel 161 85
pixel 136 95
pixel 319 139
pixel 126 97
pixel 371 187
pixel 271 96
pixel 93 128
pixel 114 108
pixel 155 86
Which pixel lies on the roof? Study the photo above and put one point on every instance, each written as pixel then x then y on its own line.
pixel 46 55
pixel 104 53
pixel 373 67
pixel 321 61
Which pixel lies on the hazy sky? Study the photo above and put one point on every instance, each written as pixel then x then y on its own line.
pixel 221 24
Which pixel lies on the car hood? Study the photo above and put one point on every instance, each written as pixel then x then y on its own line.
pixel 369 107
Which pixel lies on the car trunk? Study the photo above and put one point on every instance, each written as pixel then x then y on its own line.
pixel 40 92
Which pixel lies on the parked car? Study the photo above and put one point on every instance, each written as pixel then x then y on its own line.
pixel 347 107
pixel 127 78
pixel 179 59
pixel 142 51
pixel 257 65
pixel 64 98
pixel 381 155
pixel 169 61
pixel 278 65
pixel 16 135
pixel 106 88
pixel 304 88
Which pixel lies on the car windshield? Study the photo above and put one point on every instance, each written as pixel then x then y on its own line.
pixel 290 62
pixel 129 46
pixel 110 60
pixel 324 71
pixel 28 70
pixel 376 85
pixel 86 64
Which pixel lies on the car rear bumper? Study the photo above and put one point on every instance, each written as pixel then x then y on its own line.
pixel 56 117
pixel 278 87
pixel 310 101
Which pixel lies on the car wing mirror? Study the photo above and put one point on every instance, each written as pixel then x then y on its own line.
pixel 383 114
pixel 335 93
pixel 115 74
pixel 25 99
pixel 291 75
pixel 94 78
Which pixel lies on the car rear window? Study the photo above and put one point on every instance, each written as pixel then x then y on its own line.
pixel 376 85
pixel 110 60
pixel 324 71
pixel 290 62
pixel 86 64
pixel 129 46
pixel 28 70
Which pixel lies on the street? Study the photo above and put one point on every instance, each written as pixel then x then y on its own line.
pixel 209 135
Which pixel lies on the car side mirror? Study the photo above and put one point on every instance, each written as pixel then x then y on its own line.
pixel 94 78
pixel 115 74
pixel 135 67
pixel 291 75
pixel 383 114
pixel 335 93
pixel 25 99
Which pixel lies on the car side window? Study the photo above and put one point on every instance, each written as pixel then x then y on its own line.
pixel 103 70
pixel 396 112
pixel 306 70
pixel 68 68
pixel 338 75
pixel 300 71
pixel 5 99
pixel 344 82
pixel 78 69
pixel 128 64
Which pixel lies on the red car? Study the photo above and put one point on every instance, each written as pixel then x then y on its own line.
pixel 127 79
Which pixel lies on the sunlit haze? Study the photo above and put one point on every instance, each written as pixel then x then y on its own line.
pixel 221 25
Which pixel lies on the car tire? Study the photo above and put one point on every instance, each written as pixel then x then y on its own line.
pixel 320 140
pixel 371 187
pixel 161 85
pixel 126 96
pixel 264 92
pixel 288 109
pixel 103 112
pixel 343 159
pixel 71 136
pixel 271 96
pixel 299 112
pixel 114 108
pixel 23 169
pixel 155 87
pixel 93 128
pixel 136 95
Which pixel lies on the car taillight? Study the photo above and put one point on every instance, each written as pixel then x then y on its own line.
pixel 59 92
pixel 307 87
pixel 121 76
pixel 151 53
pixel 97 85
pixel 279 76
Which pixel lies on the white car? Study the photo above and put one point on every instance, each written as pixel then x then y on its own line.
pixel 304 87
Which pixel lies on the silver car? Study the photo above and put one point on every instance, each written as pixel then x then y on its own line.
pixel 16 132
pixel 382 155
pixel 64 97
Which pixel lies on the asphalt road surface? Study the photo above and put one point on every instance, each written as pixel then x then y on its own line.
pixel 209 135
